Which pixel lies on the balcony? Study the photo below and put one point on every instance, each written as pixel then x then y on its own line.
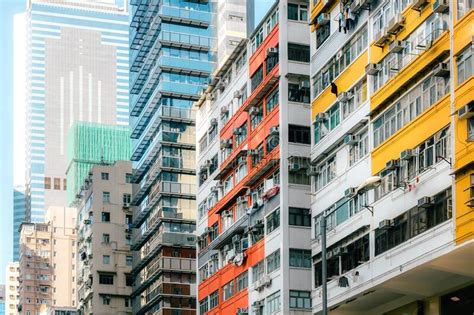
pixel 187 41
pixel 174 264
pixel 183 15
pixel 185 240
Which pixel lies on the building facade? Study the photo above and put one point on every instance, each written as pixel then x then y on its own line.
pixel 77 70
pixel 391 91
pixel 47 262
pixel 19 215
pixel 253 189
pixel 104 258
pixel 91 144
pixel 12 288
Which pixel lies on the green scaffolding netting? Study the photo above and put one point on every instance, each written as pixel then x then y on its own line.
pixel 90 144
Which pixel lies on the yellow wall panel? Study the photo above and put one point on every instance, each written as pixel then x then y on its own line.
pixel 427 124
pixel 464 214
pixel 344 81
pixel 463 32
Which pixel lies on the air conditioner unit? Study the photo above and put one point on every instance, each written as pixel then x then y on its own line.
pixel 236 238
pixel 266 280
pixel 226 143
pixel 252 152
pixel 206 230
pixel 339 251
pixel 87 221
pixel 254 110
pixel 385 224
pixel 407 154
pixel 397 46
pixel 272 51
pixel 304 84
pixel 230 255
pixel 210 97
pixel 396 24
pixel 392 164
pixel 224 110
pixel 467 111
pixel 274 131
pixel 213 122
pixel 312 171
pixel 323 19
pixel 349 192
pixel 425 202
pixel 214 189
pixel 321 117
pixel 237 94
pixel 351 139
pixel 381 37
pixel 226 213
pixel 372 69
pixel 241 200
pixel 237 131
pixel 208 163
pixel 419 5
pixel 441 70
pixel 294 167
pixel 344 96
pixel 242 311
pixel 356 6
pixel 441 6
pixel 257 304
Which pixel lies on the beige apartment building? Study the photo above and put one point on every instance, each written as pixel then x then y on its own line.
pixel 11 288
pixel 104 259
pixel 47 263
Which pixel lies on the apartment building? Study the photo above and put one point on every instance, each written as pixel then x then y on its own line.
pixel 173 51
pixel 391 91
pixel 253 132
pixel 46 267
pixel 104 259
pixel 12 288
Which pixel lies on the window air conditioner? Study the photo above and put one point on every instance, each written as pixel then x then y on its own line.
pixel 407 154
pixel 275 130
pixel 385 224
pixel 321 117
pixel 425 202
pixel 351 139
pixel 467 111
pixel 396 24
pixel 344 96
pixel 392 164
pixel 397 46
pixel 372 69
pixel 441 6
pixel 419 5
pixel 349 192
pixel 441 70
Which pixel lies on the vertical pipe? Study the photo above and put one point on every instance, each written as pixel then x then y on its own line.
pixel 324 265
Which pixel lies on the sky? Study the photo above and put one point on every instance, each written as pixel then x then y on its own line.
pixel 8 8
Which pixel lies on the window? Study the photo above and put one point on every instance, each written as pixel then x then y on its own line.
pixel 414 222
pixel 242 281
pixel 464 6
pixel 127 302
pixel 298 52
pixel 299 216
pixel 322 33
pixel 228 290
pixel 64 183
pixel 299 92
pixel 256 78
pixel 106 238
pixel 300 258
pixel 240 134
pixel 299 177
pixel 360 148
pixel 204 305
pixel 258 271
pixel 104 176
pixel 273 261
pixel 126 199
pixel 271 61
pixel 297 12
pixel 273 221
pixel 213 299
pixel 272 101
pixel 128 178
pixel 105 216
pixel 326 172
pixel 273 304
pixel 106 259
pixel 106 300
pixel 128 280
pixel 299 134
pixel 203 143
pixel 57 184
pixel 464 65
pixel 106 279
pixel 128 260
pixel 105 197
pixel 300 299
pixel 256 116
pixel 470 129
pixel 329 121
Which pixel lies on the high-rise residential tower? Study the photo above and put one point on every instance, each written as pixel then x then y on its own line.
pixel 77 70
pixel 104 258
pixel 19 215
pixel 253 131
pixel 173 52
pixel 392 104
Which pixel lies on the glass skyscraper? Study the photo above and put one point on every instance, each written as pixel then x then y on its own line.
pixel 171 59
pixel 18 217
pixel 77 71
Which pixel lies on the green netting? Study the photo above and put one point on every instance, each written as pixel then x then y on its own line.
pixel 92 143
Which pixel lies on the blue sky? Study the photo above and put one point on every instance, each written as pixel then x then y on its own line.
pixel 8 8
